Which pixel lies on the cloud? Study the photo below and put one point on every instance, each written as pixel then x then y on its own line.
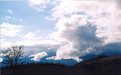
pixel 10 30
pixel 66 52
pixel 38 2
pixel 77 36
pixel 15 33
pixel 37 42
pixel 84 25
pixel 1 54
pixel 109 49
pixel 32 36
pixel 35 38
pixel 8 17
pixel 4 44
pixel 10 11
pixel 39 5
pixel 34 49
pixel 38 56
pixel 1 59
pixel 21 20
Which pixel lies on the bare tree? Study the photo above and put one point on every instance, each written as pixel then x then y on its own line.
pixel 12 55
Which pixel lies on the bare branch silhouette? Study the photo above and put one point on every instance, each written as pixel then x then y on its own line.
pixel 12 55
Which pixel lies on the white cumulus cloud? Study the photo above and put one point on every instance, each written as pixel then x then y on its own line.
pixel 38 56
pixel 84 25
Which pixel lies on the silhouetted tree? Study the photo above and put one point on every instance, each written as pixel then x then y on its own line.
pixel 12 55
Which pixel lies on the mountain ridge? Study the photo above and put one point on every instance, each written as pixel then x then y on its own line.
pixel 100 65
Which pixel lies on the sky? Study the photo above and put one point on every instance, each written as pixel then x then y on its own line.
pixel 70 28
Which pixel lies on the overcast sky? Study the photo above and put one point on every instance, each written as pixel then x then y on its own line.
pixel 77 27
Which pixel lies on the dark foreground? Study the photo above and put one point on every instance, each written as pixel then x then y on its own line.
pixel 102 65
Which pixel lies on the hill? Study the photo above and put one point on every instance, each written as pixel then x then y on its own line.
pixel 101 65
